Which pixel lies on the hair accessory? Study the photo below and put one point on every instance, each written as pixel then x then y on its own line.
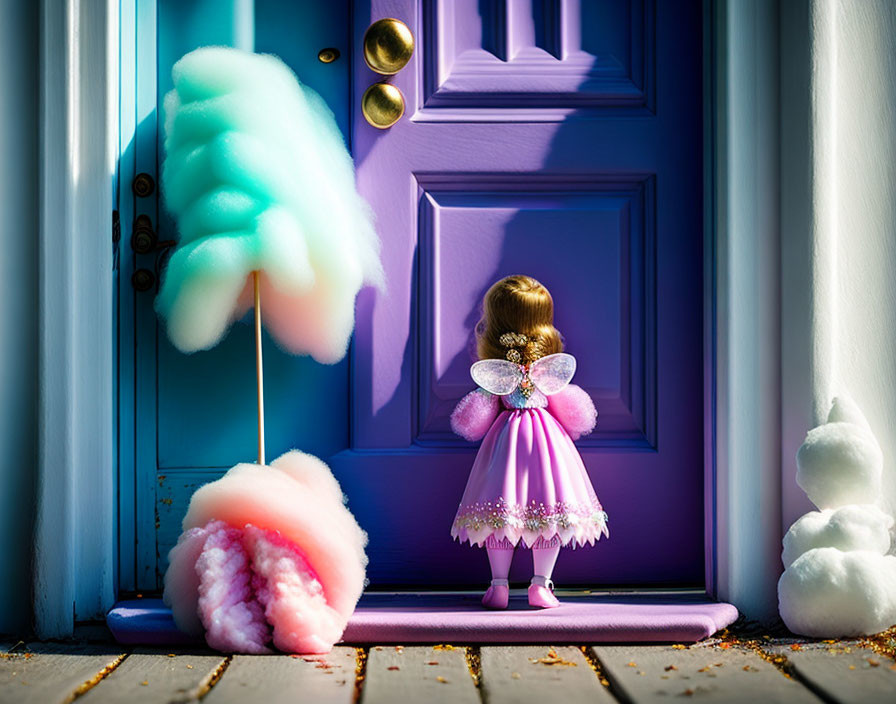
pixel 513 339
pixel 520 346
pixel 514 342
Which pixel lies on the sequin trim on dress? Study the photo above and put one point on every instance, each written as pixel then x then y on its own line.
pixel 493 543
pixel 500 520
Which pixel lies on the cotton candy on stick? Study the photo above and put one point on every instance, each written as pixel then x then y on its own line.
pixel 257 175
pixel 262 187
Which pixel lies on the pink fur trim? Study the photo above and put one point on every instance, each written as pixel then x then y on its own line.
pixel 475 414
pixel 574 409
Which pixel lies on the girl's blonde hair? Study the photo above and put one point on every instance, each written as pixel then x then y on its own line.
pixel 521 305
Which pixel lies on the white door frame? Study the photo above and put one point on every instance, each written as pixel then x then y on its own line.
pixel 74 537
pixel 760 247
pixel 74 573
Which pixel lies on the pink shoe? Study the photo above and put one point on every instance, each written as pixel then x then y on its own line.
pixel 497 595
pixel 541 593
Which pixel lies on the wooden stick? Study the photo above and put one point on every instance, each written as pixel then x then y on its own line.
pixel 259 374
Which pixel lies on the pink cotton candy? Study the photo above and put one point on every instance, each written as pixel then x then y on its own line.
pixel 182 580
pixel 292 596
pixel 574 409
pixel 232 616
pixel 474 414
pixel 273 499
pixel 317 321
pixel 283 554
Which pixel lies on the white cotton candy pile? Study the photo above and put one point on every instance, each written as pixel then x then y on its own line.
pixel 839 580
pixel 847 528
pixel 839 464
pixel 828 593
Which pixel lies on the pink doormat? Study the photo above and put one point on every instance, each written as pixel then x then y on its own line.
pixel 580 618
pixel 459 618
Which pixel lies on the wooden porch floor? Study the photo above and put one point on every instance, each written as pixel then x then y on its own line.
pixel 725 669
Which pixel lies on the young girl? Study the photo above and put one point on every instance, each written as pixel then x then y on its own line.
pixel 528 482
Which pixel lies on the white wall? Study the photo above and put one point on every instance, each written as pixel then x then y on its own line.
pixel 801 366
pixel 854 136
pixel 18 306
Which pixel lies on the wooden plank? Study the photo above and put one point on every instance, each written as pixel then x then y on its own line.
pixel 655 673
pixel 843 671
pixel 51 672
pixel 150 676
pixel 539 674
pixel 431 674
pixel 287 678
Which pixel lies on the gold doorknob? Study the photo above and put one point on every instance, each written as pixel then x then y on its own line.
pixel 388 46
pixel 382 105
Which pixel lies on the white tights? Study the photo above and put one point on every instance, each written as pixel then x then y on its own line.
pixel 543 561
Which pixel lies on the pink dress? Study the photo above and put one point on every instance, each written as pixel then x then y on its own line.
pixel 528 481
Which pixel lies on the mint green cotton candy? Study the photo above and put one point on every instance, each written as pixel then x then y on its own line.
pixel 258 178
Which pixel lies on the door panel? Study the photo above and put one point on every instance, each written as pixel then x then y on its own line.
pixel 560 139
pixel 526 57
pixel 504 221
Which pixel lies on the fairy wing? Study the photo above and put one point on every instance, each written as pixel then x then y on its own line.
pixel 552 373
pixel 496 376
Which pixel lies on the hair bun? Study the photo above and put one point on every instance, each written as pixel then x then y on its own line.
pixel 517 321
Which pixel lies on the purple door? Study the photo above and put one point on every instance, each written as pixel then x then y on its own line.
pixel 562 140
